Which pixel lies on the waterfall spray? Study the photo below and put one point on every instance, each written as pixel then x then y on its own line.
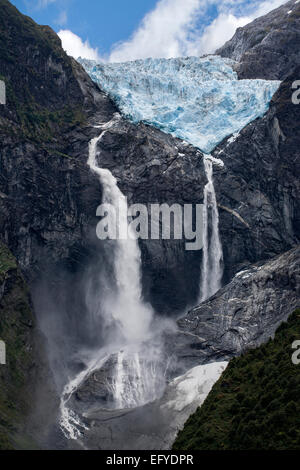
pixel 138 377
pixel 212 263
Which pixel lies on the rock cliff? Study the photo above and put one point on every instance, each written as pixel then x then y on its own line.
pixel 267 47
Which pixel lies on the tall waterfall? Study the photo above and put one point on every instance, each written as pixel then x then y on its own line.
pixel 138 371
pixel 212 263
pixel 127 309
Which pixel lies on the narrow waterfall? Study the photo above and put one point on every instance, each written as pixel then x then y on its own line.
pixel 212 263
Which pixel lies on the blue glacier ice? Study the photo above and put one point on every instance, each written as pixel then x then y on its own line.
pixel 199 100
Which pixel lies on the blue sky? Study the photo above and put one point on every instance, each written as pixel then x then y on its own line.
pixel 119 30
pixel 103 22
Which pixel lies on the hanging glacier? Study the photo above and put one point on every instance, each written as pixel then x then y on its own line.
pixel 200 100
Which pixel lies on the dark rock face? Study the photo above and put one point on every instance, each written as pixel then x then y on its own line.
pixel 47 91
pixel 97 389
pixel 260 184
pixel 268 47
pixel 48 196
pixel 244 314
pixel 47 192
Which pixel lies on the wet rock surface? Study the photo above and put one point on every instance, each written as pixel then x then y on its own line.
pixel 155 425
pixel 242 315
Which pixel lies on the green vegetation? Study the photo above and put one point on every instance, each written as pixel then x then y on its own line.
pixel 43 96
pixel 7 261
pixel 36 122
pixel 16 322
pixel 255 404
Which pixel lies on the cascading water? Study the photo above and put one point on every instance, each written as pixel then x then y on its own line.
pixel 138 374
pixel 212 262
pixel 128 311
pixel 201 101
pixel 137 380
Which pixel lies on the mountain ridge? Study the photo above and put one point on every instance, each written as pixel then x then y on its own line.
pixel 267 47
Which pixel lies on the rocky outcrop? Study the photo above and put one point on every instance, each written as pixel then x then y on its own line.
pixel 258 188
pixel 268 47
pixel 155 425
pixel 244 314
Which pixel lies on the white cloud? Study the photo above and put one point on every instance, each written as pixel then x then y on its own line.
pixel 224 26
pixel 267 6
pixel 38 4
pixel 44 3
pixel 169 29
pixel 162 33
pixel 62 18
pixel 217 33
pixel 75 47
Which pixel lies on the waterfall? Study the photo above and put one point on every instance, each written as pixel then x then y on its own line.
pixel 138 374
pixel 212 263
pixel 138 380
pixel 132 316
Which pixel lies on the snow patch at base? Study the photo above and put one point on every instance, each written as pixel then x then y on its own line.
pixel 193 387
